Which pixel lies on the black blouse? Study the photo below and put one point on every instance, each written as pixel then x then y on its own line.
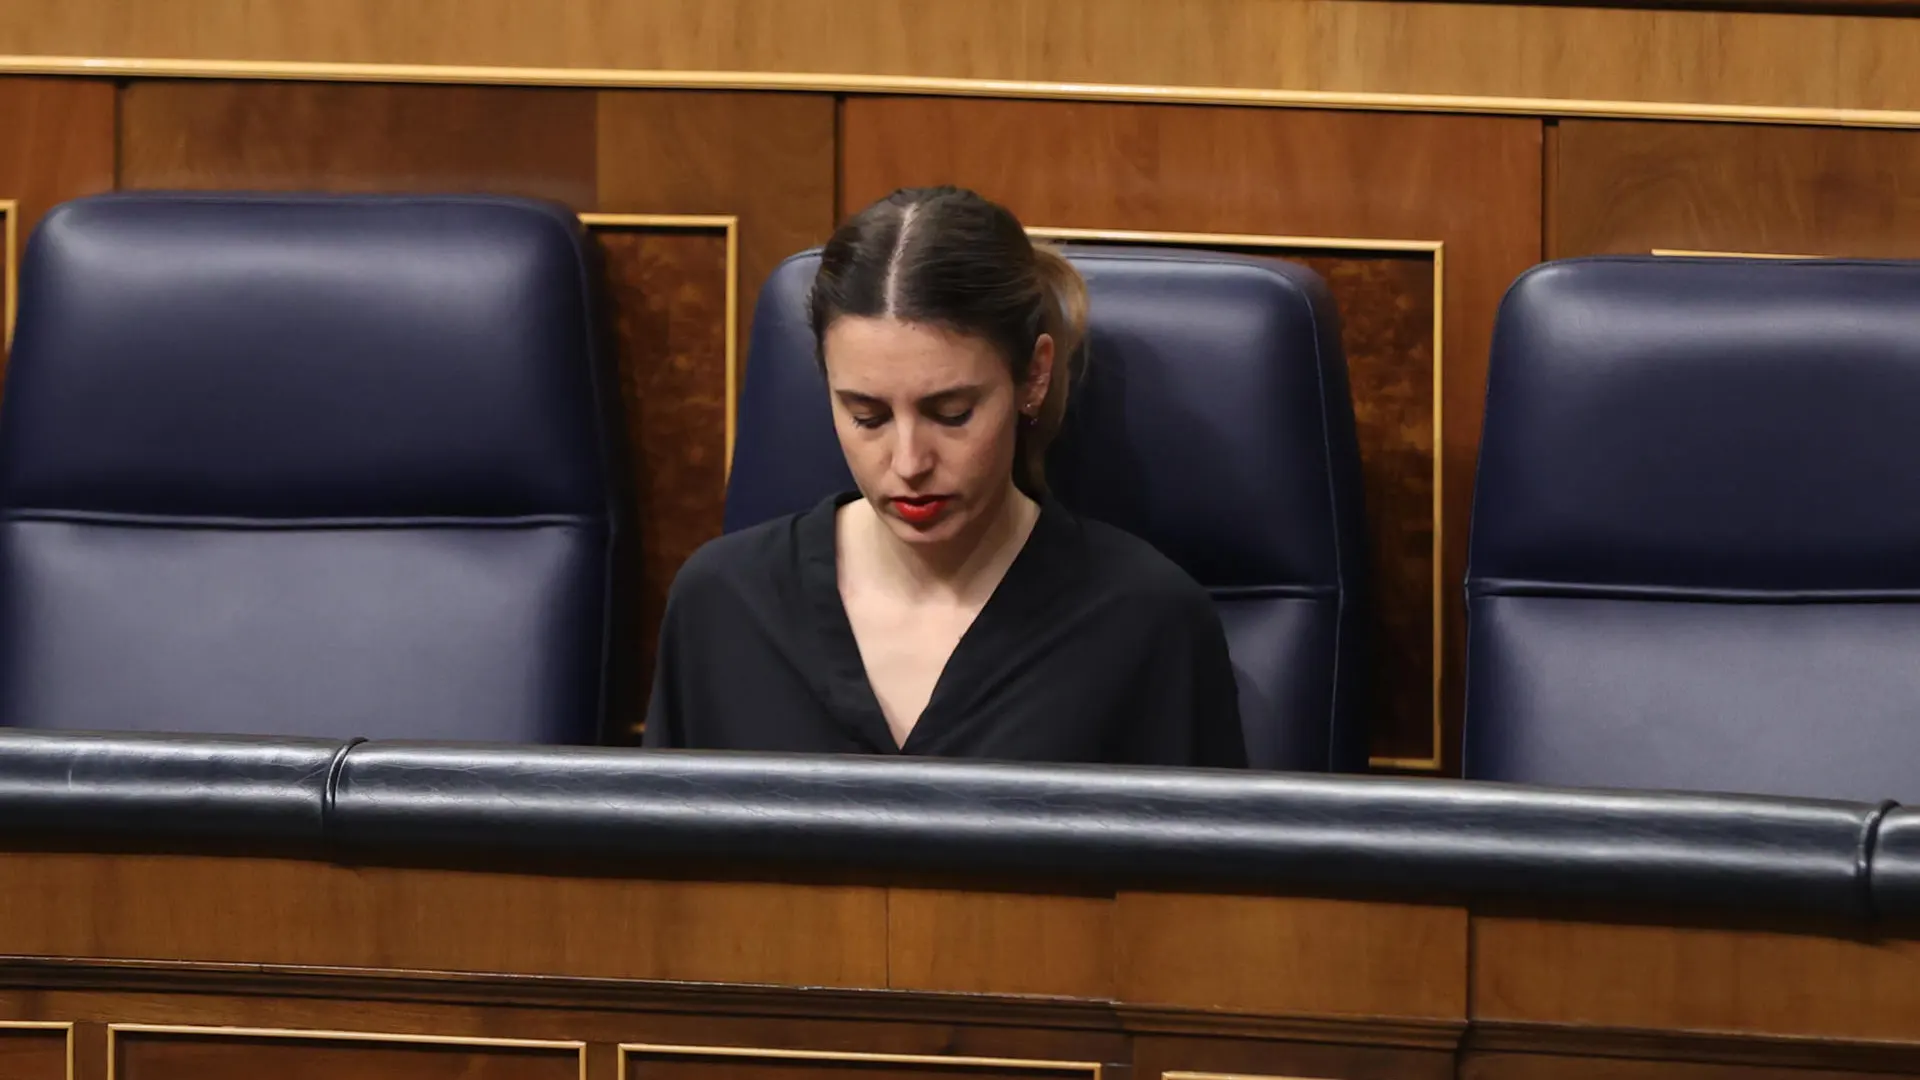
pixel 1094 648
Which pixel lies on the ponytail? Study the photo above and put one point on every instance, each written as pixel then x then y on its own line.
pixel 1063 317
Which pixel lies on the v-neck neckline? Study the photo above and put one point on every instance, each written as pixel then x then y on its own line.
pixel 847 687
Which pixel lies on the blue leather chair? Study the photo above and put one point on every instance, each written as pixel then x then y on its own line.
pixel 1695 560
pixel 1213 421
pixel 332 466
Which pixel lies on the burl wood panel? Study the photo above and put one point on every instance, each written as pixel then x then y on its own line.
pixel 285 911
pixel 143 1055
pixel 1695 978
pixel 28 1053
pixel 359 137
pixel 667 298
pixel 766 158
pixel 1386 329
pixel 1471 182
pixel 963 941
pixel 1280 956
pixel 645 1064
pixel 56 143
pixel 1562 1067
pixel 1215 1058
pixel 1634 187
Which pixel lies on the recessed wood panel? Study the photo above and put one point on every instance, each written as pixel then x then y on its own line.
pixel 1280 956
pixel 271 136
pixel 750 1063
pixel 285 911
pixel 1471 184
pixel 667 292
pixel 1695 979
pixel 56 143
pixel 1477 1066
pixel 33 1052
pixel 1000 943
pixel 767 159
pixel 1191 1058
pixel 244 1054
pixel 1622 187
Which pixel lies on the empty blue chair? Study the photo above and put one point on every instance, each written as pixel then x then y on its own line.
pixel 1213 421
pixel 1695 560
pixel 332 466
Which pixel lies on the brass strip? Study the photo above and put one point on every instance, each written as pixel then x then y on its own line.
pixel 1089 1068
pixel 730 224
pixel 1226 1076
pixel 1437 250
pixel 302 1035
pixel 624 78
pixel 10 273
pixel 1685 253
pixel 64 1027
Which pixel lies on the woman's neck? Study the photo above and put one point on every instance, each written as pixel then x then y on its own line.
pixel 972 562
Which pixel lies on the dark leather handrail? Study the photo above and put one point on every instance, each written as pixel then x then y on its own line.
pixel 1402 838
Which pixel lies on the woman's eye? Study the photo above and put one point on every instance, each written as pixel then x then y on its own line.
pixel 953 419
pixel 869 421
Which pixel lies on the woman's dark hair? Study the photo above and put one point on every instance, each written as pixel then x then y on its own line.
pixel 947 257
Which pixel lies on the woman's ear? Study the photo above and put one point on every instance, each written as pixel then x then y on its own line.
pixel 1039 376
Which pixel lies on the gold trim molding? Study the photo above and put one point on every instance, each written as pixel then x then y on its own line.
pixel 730 225
pixel 1227 1076
pixel 939 86
pixel 10 271
pixel 65 1028
pixel 1090 1069
pixel 1434 249
pixel 1685 253
pixel 301 1035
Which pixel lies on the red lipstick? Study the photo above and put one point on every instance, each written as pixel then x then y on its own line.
pixel 922 509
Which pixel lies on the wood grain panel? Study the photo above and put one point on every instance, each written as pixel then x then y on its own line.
pixel 232 1055
pixel 282 911
pixel 1291 956
pixel 667 291
pixel 1471 183
pixel 339 137
pixel 767 159
pixel 1699 979
pixel 1000 943
pixel 56 143
pixel 1189 1058
pixel 733 1063
pixel 1546 1067
pixel 1624 187
pixel 1584 57
pixel 33 1052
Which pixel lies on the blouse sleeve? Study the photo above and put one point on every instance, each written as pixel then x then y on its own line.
pixel 1189 708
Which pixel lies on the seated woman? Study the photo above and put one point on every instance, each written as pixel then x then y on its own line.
pixel 949 606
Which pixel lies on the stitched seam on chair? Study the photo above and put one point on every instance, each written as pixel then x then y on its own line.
pixel 1273 592
pixel 1333 514
pixel 1686 594
pixel 1863 858
pixel 292 524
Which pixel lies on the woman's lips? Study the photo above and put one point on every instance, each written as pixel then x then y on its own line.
pixel 920 509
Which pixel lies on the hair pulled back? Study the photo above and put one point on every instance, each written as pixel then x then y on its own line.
pixel 947 257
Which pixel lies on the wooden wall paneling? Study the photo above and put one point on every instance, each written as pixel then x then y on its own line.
pixel 1627 187
pixel 970 941
pixel 293 912
pixel 288 136
pixel 137 1052
pixel 1307 51
pixel 1470 185
pixel 672 295
pixel 31 1050
pixel 1201 1058
pixel 56 143
pixel 1705 979
pixel 652 1062
pixel 1292 956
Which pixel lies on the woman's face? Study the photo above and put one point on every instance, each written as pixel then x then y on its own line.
pixel 926 418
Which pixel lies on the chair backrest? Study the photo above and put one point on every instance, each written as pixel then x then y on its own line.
pixel 1213 421
pixel 318 465
pixel 1695 559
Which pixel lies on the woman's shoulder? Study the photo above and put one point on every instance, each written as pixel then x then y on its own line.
pixel 749 558
pixel 1126 568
